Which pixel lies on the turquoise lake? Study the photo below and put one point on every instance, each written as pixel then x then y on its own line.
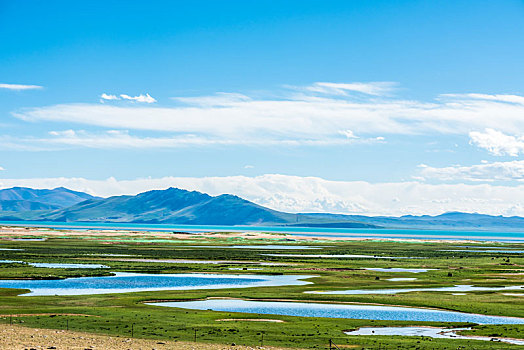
pixel 297 231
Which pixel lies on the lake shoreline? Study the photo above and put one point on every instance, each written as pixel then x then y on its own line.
pixel 18 231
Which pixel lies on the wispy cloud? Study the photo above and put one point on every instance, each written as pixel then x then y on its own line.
pixel 313 194
pixel 122 139
pixel 140 98
pixel 515 99
pixel 485 172
pixel 19 87
pixel 219 99
pixel 498 143
pixel 29 144
pixel 313 116
pixel 343 89
pixel 349 134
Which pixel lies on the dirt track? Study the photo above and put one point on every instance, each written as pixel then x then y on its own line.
pixel 17 337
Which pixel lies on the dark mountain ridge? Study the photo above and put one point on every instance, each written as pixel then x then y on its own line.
pixel 173 206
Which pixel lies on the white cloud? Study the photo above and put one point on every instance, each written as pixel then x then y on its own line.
pixel 109 97
pixel 140 98
pixel 312 194
pixel 248 166
pixel 497 171
pixel 1 168
pixel 497 143
pixel 313 116
pixel 18 87
pixel 349 134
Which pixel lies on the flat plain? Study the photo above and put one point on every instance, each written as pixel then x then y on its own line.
pixel 127 315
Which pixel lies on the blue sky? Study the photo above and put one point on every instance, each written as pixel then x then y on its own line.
pixel 254 97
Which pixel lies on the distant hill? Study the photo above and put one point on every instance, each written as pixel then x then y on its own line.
pixel 458 219
pixel 177 206
pixel 452 220
pixel 170 206
pixel 19 199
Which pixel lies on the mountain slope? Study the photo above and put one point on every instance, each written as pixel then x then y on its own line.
pixel 24 205
pixel 170 206
pixel 24 199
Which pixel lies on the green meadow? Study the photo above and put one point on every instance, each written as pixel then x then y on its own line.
pixel 126 314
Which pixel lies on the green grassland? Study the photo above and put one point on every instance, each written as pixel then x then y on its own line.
pixel 117 314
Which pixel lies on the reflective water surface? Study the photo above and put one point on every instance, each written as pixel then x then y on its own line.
pixel 432 332
pixel 457 288
pixel 57 265
pixel 351 311
pixel 400 279
pixel 134 282
pixel 190 261
pixel 395 269
pixel 504 251
pixel 343 256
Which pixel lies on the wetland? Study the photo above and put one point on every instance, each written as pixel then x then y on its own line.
pixel 136 272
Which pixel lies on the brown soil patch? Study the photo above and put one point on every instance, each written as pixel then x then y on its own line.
pixel 17 337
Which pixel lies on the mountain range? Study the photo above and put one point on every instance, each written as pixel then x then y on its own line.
pixel 19 199
pixel 177 206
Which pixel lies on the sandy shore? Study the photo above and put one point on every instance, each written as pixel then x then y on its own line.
pixel 17 232
pixel 12 232
pixel 16 337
